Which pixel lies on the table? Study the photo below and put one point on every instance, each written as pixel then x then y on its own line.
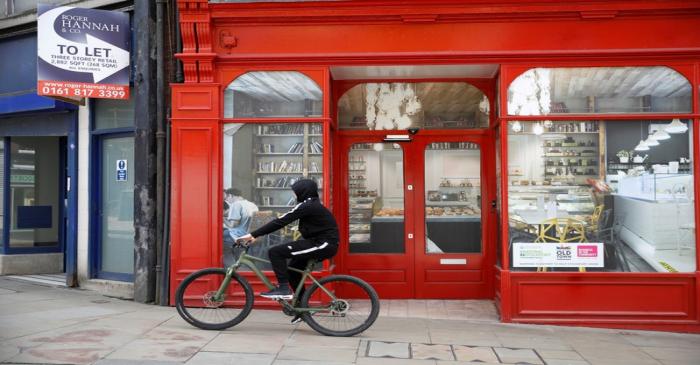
pixel 536 217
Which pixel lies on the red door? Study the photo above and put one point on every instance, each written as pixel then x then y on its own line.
pixel 415 215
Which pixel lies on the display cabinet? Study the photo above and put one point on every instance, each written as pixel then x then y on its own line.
pixel 575 200
pixel 657 187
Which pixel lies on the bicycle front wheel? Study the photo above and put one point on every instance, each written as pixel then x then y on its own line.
pixel 338 316
pixel 196 302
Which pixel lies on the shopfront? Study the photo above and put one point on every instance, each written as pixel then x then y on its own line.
pixel 461 159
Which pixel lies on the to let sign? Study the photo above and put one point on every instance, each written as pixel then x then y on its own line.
pixel 82 53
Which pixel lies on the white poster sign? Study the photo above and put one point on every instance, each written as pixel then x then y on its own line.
pixel 579 254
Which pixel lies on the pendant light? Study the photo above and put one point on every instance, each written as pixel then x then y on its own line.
pixel 641 146
pixel 517 127
pixel 651 142
pixel 676 127
pixel 660 135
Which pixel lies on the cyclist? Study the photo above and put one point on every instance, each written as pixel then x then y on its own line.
pixel 320 239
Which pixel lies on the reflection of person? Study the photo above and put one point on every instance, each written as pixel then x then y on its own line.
pixel 239 215
pixel 320 238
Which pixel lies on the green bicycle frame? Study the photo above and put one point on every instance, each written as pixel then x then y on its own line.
pixel 249 261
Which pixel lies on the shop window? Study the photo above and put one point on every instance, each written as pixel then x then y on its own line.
pixel 376 198
pixel 400 105
pixel 273 94
pixel 35 185
pixel 583 90
pixel 601 196
pixel 261 162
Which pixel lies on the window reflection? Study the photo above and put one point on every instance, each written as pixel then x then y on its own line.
pixel 399 105
pixel 544 91
pixel 273 94
pixel 376 198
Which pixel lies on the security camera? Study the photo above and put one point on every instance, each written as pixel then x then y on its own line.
pixel 413 130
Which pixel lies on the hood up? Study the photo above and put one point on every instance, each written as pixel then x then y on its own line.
pixel 305 189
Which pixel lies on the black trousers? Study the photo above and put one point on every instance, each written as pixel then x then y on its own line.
pixel 299 252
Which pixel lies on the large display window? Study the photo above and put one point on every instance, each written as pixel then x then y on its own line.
pixel 601 196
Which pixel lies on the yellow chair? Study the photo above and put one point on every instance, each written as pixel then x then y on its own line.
pixel 561 230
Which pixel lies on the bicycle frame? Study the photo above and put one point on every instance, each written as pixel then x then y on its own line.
pixel 249 261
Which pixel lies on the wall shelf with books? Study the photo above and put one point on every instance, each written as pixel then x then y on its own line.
pixel 284 154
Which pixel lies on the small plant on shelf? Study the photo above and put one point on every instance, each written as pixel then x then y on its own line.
pixel 624 156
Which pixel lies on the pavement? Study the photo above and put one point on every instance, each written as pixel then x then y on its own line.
pixel 43 324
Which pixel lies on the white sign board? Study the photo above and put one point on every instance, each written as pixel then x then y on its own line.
pixel 122 170
pixel 579 254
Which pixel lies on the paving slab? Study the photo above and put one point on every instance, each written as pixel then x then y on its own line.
pixel 423 351
pixel 244 343
pixel 566 362
pixel 475 353
pixel 398 350
pixel 558 354
pixel 390 361
pixel 317 354
pixel 518 356
pixel 221 358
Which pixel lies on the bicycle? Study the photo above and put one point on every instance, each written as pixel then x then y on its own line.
pixel 226 298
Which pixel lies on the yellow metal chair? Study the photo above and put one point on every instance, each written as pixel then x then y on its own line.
pixel 561 230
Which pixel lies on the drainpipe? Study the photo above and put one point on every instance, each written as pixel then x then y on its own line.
pixel 160 143
pixel 145 122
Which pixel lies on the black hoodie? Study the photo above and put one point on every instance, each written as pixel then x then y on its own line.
pixel 316 223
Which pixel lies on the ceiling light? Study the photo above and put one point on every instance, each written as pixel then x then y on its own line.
pixel 378 147
pixel 676 126
pixel 641 146
pixel 651 142
pixel 660 135
pixel 517 127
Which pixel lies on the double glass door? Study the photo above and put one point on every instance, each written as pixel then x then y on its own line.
pixel 416 215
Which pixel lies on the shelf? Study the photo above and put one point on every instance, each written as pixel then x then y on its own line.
pixel 287 173
pixel 546 133
pixel 288 135
pixel 286 154
pixel 446 203
pixel 275 206
pixel 596 147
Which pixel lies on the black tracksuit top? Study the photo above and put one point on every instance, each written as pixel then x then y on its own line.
pixel 316 223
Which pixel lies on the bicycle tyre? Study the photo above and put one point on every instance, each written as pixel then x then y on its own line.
pixel 315 320
pixel 189 312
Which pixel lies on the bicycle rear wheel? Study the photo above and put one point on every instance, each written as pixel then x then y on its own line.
pixel 341 317
pixel 194 299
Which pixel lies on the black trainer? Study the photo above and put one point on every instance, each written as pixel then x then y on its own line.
pixel 278 293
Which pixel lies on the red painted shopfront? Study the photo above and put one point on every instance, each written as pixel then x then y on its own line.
pixel 446 135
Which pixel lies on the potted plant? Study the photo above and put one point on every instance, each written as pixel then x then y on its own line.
pixel 624 156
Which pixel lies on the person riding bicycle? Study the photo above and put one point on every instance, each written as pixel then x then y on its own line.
pixel 320 238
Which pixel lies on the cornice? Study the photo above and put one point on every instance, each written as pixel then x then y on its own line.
pixel 423 11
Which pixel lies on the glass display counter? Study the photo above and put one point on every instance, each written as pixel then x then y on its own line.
pixel 656 187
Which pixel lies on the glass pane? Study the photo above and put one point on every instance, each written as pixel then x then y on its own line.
pixel 111 113
pixel 601 196
pixel 400 105
pixel 2 186
pixel 34 191
pixel 118 205
pixel 453 198
pixel 544 91
pixel 375 182
pixel 261 162
pixel 273 94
